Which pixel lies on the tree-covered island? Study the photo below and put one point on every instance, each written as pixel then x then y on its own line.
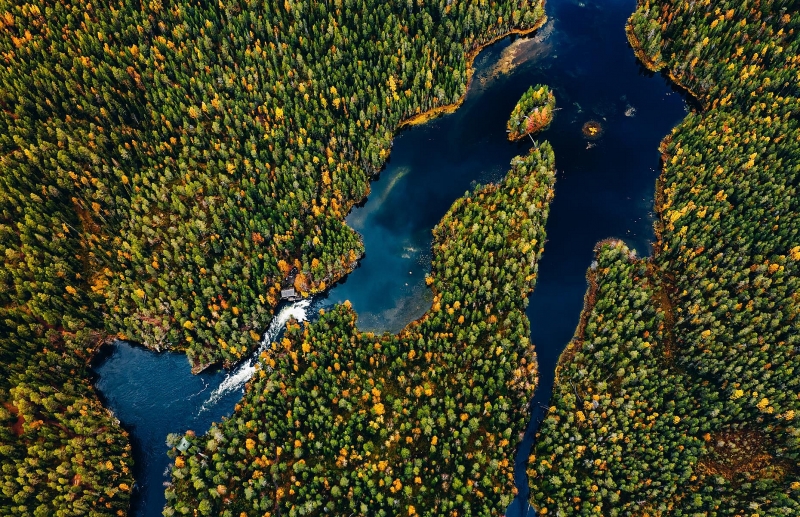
pixel 679 394
pixel 168 167
pixel 164 166
pixel 533 112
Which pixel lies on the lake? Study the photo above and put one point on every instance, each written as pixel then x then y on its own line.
pixel 604 189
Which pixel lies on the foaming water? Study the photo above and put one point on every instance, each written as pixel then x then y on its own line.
pixel 154 394
pixel 236 379
pixel 604 189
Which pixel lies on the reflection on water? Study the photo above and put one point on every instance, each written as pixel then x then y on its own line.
pixel 522 51
pixel 358 217
pixel 604 188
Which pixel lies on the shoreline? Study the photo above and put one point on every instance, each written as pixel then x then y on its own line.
pixel 435 112
pixel 658 199
pixel 662 285
pixel 414 120
pixel 658 68
pixel 638 50
pixel 513 138
pixel 589 300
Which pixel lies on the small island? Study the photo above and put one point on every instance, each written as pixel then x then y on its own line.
pixel 533 112
pixel 592 130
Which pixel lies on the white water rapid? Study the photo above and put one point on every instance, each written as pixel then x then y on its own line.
pixel 236 379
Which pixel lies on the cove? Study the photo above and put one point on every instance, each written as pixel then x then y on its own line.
pixel 604 189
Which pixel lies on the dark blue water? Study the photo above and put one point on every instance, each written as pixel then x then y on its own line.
pixel 604 189
pixel 154 395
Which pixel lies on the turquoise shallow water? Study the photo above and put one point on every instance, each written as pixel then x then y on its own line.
pixel 604 189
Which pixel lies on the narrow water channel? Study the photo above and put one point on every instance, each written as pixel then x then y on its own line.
pixel 604 189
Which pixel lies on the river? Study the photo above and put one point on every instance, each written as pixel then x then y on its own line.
pixel 604 189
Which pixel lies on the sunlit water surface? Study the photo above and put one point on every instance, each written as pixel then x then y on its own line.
pixel 604 189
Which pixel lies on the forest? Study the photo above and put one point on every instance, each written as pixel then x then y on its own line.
pixel 678 394
pixel 533 112
pixel 338 421
pixel 166 167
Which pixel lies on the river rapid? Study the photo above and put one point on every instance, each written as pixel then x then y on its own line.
pixel 604 189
